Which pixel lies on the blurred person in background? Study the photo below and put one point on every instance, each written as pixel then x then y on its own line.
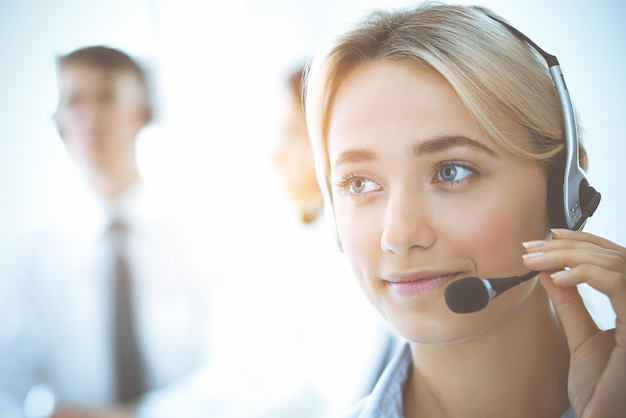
pixel 346 345
pixel 104 310
pixel 294 156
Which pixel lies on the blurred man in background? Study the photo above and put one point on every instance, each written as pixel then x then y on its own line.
pixel 104 310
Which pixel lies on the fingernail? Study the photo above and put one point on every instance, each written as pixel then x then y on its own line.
pixel 532 255
pixel 561 231
pixel 558 274
pixel 533 244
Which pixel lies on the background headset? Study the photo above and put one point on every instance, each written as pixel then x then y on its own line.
pixel 570 198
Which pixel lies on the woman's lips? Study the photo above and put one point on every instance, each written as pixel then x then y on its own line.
pixel 419 284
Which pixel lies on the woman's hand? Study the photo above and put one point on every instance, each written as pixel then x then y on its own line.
pixel 597 377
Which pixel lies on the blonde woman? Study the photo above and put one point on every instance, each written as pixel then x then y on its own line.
pixel 437 132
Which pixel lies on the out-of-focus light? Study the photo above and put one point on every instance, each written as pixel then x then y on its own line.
pixel 39 402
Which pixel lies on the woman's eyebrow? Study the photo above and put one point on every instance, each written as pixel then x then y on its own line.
pixel 430 146
pixel 443 143
pixel 357 155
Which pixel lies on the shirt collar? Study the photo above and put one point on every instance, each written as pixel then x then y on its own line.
pixel 89 214
pixel 385 401
pixel 126 208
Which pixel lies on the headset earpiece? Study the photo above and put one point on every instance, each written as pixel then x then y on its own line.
pixel 558 196
pixel 556 176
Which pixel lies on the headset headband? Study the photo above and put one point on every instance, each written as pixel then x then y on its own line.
pixel 579 199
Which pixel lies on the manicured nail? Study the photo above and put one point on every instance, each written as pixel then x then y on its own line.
pixel 532 255
pixel 533 244
pixel 561 231
pixel 558 274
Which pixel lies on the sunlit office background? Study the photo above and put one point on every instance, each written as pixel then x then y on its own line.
pixel 220 69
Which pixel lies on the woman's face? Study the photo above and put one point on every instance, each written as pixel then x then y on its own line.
pixel 423 197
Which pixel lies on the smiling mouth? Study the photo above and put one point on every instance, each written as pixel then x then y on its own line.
pixel 419 284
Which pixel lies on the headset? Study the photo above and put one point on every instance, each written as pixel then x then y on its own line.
pixel 570 198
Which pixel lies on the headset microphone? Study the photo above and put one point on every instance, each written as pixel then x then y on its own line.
pixel 472 294
pixel 571 200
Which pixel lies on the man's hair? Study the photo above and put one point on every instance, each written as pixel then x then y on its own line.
pixel 111 60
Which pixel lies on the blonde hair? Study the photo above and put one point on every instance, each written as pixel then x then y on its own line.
pixel 501 80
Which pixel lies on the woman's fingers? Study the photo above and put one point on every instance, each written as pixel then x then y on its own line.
pixel 579 257
pixel 572 258
pixel 577 322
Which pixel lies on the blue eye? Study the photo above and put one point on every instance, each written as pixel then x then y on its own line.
pixel 453 172
pixel 357 185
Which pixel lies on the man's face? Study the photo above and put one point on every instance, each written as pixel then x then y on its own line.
pixel 100 113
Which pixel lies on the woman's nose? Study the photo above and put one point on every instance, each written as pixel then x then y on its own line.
pixel 407 225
